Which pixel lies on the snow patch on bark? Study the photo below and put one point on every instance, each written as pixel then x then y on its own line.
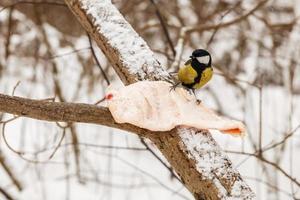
pixel 214 165
pixel 134 52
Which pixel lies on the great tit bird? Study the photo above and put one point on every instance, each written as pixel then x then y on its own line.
pixel 197 71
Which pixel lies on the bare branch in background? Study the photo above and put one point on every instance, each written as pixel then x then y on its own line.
pixel 6 194
pixel 164 27
pixel 9 172
pixel 97 61
pixel 201 28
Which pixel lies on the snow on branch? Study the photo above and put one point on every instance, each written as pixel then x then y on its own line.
pixel 204 169
pixel 126 50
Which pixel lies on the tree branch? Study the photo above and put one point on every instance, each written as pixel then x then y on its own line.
pixel 62 112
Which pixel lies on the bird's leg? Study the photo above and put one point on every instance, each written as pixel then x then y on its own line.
pixel 198 101
pixel 174 86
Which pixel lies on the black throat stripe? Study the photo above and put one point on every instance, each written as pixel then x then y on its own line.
pixel 199 68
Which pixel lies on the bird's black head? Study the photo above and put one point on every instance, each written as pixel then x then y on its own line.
pixel 202 56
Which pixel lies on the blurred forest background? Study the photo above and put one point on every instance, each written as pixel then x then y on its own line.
pixel 45 53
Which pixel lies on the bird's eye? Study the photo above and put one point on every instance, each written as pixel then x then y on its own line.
pixel 203 59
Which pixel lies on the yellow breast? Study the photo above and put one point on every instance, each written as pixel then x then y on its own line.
pixel 205 77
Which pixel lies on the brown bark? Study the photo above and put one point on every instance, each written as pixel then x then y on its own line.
pixel 62 112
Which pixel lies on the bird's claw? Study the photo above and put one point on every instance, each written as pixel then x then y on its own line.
pixel 174 86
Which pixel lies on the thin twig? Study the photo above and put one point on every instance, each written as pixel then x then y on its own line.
pixel 6 194
pixel 59 144
pixel 6 167
pixel 160 160
pixel 100 101
pixel 164 27
pixel 77 152
pixel 270 185
pixel 97 61
pixel 227 24
pixel 260 116
pixel 223 15
pixel 9 32
pixel 276 166
pixel 68 53
pixel 15 87
pixel 151 176
pixel 179 49
pixel 289 135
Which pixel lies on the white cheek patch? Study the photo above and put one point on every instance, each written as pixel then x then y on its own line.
pixel 203 59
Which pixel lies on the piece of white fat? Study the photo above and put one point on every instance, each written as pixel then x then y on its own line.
pixel 154 106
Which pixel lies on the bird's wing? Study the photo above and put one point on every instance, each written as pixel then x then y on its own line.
pixel 187 74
